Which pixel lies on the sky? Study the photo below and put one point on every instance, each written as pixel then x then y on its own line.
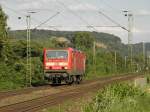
pixel 76 15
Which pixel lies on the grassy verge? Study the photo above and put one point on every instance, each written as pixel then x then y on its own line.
pixel 120 98
pixel 100 75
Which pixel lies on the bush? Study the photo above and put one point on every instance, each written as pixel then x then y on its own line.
pixel 11 78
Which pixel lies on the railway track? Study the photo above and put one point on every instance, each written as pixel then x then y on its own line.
pixel 28 90
pixel 6 94
pixel 69 93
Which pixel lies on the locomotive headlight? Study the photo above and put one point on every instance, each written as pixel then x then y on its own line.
pixel 46 67
pixel 63 64
pixel 65 67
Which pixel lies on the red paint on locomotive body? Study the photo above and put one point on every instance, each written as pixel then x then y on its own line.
pixel 63 62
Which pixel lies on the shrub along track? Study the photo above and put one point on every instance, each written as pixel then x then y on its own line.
pixel 69 93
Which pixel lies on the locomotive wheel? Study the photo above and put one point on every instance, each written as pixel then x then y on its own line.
pixel 59 80
pixel 69 80
pixel 81 77
pixel 56 81
pixel 77 81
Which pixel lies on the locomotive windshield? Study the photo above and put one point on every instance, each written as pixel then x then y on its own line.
pixel 56 54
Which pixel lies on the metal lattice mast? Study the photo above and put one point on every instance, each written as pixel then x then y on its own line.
pixel 28 72
pixel 143 47
pixel 115 61
pixel 130 35
pixel 94 56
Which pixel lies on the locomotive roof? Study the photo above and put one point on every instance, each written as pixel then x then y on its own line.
pixel 63 49
pixel 69 48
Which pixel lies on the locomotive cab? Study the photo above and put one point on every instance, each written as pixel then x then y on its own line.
pixel 56 60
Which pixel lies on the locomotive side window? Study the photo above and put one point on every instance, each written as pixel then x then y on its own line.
pixel 56 54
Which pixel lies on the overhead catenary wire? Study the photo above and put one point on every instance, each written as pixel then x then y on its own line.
pixel 85 5
pixel 107 17
pixel 119 25
pixel 75 14
pixel 47 20
pixel 114 8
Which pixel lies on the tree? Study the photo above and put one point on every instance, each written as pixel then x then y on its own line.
pixel 3 31
pixel 83 40
pixel 3 24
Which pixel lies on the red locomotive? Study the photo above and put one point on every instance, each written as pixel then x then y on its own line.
pixel 66 65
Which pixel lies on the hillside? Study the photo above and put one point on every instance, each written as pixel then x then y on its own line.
pixel 110 41
pixel 113 42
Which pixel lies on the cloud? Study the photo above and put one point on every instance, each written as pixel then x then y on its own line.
pixel 137 30
pixel 142 12
pixel 29 5
pixel 33 4
pixel 2 2
pixel 36 4
pixel 46 1
pixel 83 7
pixel 110 29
